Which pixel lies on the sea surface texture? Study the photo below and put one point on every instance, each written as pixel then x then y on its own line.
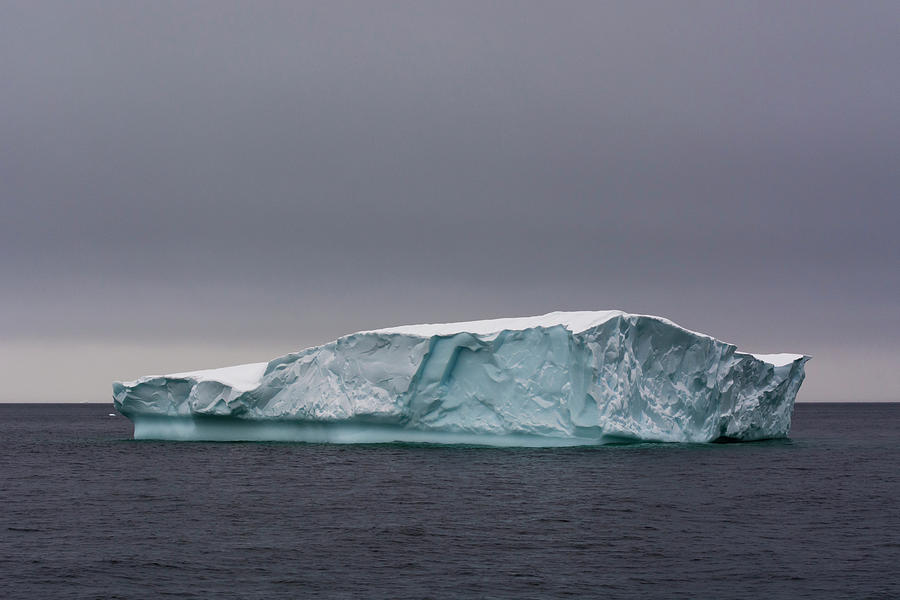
pixel 88 512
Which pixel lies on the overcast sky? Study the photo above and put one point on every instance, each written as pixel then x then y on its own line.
pixel 194 184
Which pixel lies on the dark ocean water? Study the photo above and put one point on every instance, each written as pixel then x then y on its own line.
pixel 89 513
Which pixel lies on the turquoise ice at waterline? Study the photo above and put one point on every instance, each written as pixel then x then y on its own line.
pixel 560 379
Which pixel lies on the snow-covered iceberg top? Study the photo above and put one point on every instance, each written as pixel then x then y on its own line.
pixel 563 378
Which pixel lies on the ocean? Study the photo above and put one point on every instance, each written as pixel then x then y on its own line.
pixel 87 512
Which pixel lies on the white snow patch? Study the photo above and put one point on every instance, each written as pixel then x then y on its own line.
pixel 576 322
pixel 240 378
pixel 778 360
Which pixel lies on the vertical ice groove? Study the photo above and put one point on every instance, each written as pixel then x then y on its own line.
pixel 559 379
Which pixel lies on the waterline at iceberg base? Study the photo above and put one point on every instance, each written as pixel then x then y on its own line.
pixel 561 379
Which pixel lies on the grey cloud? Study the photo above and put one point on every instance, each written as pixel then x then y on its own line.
pixel 253 173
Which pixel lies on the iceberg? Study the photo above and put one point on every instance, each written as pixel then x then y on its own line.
pixel 561 379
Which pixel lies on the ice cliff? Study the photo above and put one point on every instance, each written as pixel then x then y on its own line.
pixel 565 378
